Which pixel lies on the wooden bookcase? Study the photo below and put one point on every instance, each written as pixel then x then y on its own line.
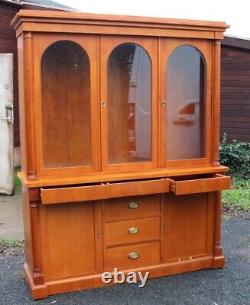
pixel 120 133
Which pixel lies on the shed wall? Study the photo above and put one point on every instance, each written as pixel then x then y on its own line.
pixel 235 93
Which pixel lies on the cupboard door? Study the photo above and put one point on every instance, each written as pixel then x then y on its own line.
pixel 67 109
pixel 128 95
pixel 69 240
pixel 185 92
pixel 187 226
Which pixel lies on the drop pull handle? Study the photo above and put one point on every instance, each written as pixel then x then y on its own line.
pixel 133 205
pixel 133 255
pixel 133 230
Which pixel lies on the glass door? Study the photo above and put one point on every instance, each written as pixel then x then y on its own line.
pixel 128 103
pixel 185 94
pixel 68 116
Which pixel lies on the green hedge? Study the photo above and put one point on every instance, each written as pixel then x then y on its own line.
pixel 236 155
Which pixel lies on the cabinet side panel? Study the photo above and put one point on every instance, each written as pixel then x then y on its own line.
pixel 70 240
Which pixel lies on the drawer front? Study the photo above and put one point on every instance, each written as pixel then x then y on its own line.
pixel 131 231
pixel 73 194
pixel 203 185
pixel 131 208
pixel 132 256
pixel 103 191
pixel 136 188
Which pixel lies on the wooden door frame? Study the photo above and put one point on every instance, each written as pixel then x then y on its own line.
pixel 107 45
pixel 166 47
pixel 90 44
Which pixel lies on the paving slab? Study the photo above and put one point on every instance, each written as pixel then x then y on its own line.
pixel 11 221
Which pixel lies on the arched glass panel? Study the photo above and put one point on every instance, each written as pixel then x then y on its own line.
pixel 185 109
pixel 129 105
pixel 66 106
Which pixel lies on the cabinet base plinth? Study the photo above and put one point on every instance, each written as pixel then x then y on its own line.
pixel 219 262
pixel 37 291
pixel 219 259
pixel 94 281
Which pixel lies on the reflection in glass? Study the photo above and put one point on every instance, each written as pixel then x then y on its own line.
pixel 65 105
pixel 185 104
pixel 129 104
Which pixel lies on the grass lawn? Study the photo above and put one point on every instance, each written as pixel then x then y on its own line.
pixel 9 243
pixel 238 197
pixel 17 182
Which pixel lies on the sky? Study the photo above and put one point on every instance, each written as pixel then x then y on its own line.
pixel 234 13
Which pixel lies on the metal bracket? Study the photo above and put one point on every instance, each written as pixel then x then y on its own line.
pixel 9 113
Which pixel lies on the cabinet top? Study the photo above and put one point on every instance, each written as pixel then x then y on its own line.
pixel 57 21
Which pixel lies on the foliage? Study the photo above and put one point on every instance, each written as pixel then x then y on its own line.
pixel 236 155
pixel 238 198
pixel 17 182
pixel 10 243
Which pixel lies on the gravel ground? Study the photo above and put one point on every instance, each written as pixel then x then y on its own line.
pixel 229 286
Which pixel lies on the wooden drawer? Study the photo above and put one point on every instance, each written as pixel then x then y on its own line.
pixel 132 256
pixel 131 208
pixel 131 231
pixel 136 188
pixel 202 185
pixel 103 191
pixel 73 194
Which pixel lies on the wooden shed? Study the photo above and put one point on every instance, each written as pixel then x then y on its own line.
pixel 235 88
pixel 8 44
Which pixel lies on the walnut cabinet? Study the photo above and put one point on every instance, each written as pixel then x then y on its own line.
pixel 120 133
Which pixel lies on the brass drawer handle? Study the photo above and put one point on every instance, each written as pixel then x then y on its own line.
pixel 133 205
pixel 133 255
pixel 133 230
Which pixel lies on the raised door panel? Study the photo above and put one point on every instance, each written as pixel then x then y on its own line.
pixel 185 94
pixel 129 103
pixel 187 226
pixel 69 240
pixel 65 95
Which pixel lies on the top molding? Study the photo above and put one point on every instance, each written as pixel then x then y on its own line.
pixel 69 22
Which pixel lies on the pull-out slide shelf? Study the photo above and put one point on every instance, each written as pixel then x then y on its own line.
pixel 103 191
pixel 200 185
